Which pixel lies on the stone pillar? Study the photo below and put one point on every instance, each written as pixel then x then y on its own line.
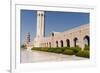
pixel 81 43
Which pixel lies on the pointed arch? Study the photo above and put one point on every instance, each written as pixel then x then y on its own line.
pixel 61 43
pixel 68 42
pixel 75 41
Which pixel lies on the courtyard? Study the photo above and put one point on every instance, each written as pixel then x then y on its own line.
pixel 32 56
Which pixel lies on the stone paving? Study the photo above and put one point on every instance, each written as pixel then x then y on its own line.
pixel 31 56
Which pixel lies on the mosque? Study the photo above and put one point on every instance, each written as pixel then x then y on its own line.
pixel 71 38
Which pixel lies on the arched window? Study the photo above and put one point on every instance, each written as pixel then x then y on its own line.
pixel 41 14
pixel 61 43
pixel 38 14
pixel 75 41
pixel 56 43
pixel 87 40
pixel 68 42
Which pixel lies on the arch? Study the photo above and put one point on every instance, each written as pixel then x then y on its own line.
pixel 38 14
pixel 87 40
pixel 49 44
pixel 56 43
pixel 61 43
pixel 52 34
pixel 75 41
pixel 68 42
pixel 41 14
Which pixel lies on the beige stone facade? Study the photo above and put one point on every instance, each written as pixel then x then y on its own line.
pixel 70 38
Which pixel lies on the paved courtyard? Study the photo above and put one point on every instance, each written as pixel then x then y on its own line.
pixel 28 56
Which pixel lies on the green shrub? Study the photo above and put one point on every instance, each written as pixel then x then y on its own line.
pixel 59 50
pixel 75 49
pixel 68 52
pixel 50 49
pixel 64 48
pixel 44 49
pixel 86 47
pixel 36 48
pixel 84 53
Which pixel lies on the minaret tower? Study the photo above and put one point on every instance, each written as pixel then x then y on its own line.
pixel 28 38
pixel 40 33
pixel 40 24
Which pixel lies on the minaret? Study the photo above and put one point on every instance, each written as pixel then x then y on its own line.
pixel 40 33
pixel 40 24
pixel 28 37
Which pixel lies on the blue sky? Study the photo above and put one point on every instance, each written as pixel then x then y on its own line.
pixel 54 21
